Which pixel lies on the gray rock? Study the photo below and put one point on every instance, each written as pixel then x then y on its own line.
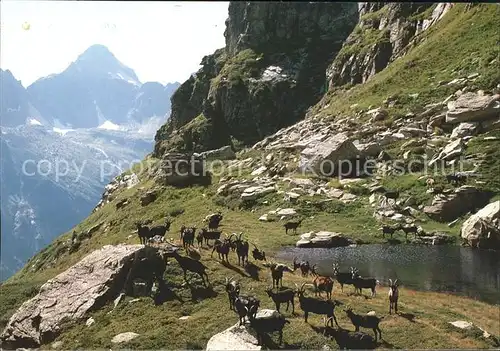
pixel 482 229
pixel 119 182
pixel 94 280
pixel 286 212
pixel 451 151
pixel 412 132
pixel 378 114
pixel 255 192
pixel 465 129
pixel 368 149
pixel 124 337
pixel 323 239
pixel 234 338
pixel 473 107
pixel 334 149
pixel 223 153
pixel 448 207
pixel 259 171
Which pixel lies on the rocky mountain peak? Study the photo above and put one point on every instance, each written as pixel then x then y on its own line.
pixel 99 61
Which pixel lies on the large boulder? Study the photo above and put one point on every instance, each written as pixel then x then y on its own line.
pixel 323 239
pixel 482 229
pixel 447 207
pixel 234 338
pixel 473 107
pixel 240 337
pixel 89 284
pixel 324 157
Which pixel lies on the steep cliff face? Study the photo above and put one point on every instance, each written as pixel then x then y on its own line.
pixel 385 32
pixel 271 70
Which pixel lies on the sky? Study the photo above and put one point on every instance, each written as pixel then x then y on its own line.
pixel 160 41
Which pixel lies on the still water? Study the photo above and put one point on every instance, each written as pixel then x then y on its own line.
pixel 453 269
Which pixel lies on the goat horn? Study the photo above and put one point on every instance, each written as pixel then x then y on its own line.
pixel 390 281
pixel 302 287
pixel 395 282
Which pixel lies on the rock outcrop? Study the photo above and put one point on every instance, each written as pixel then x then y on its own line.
pixel 472 107
pixel 87 285
pixel 385 31
pixel 120 182
pixel 326 157
pixel 482 229
pixel 271 70
pixel 447 207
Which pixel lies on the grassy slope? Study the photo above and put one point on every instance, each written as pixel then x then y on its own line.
pixel 450 49
pixel 159 326
pixel 451 45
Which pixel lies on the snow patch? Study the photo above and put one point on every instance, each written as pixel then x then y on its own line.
pixel 62 131
pixel 122 76
pixel 34 122
pixel 108 125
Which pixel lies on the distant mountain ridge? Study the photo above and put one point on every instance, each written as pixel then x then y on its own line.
pixel 93 89
pixel 94 113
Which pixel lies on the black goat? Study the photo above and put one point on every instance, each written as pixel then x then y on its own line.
pixel 199 238
pixel 350 340
pixel 258 255
pixel 142 232
pixel 393 296
pixel 282 296
pixel 159 230
pixel 233 291
pixel 344 278
pixel 268 325
pixel 191 265
pixel 388 194
pixel 292 225
pixel 168 223
pixel 222 248
pixel 210 235
pixel 214 220
pixel 246 306
pixel 277 270
pixel 363 283
pixel 188 237
pixel 410 229
pixel 365 321
pixel 389 230
pixel 317 306
pixel 241 249
pixel 456 178
pixel 304 266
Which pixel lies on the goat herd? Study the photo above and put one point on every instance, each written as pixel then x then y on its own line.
pixel 246 306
